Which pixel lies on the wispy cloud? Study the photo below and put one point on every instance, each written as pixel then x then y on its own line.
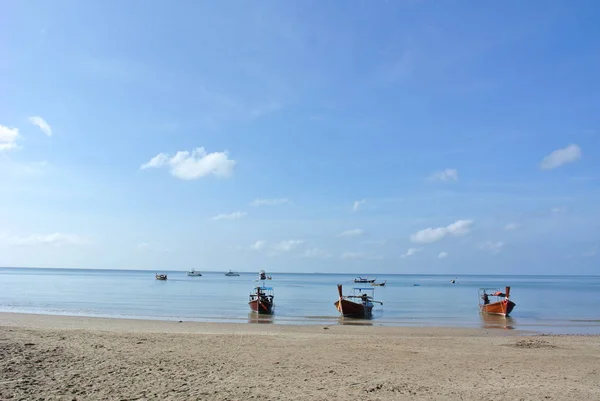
pixel 258 245
pixel 359 256
pixel 352 255
pixel 193 165
pixel 411 252
pixel 357 205
pixel 401 68
pixel 41 124
pixel 230 216
pixel 287 245
pixel 561 156
pixel 219 107
pixel 144 247
pixel 492 246
pixel 591 252
pixel 446 175
pixel 442 255
pixel 270 202
pixel 316 253
pixel 55 239
pixel 356 232
pixel 428 235
pixel 512 226
pixel 8 138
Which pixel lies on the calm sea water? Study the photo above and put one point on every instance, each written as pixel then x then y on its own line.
pixel 557 304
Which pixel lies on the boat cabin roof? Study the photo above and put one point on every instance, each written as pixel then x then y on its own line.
pixel 265 288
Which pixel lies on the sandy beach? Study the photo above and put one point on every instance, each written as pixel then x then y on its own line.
pixel 72 358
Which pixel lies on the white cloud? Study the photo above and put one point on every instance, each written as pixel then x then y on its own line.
pixel 446 175
pixel 492 246
pixel 561 156
pixel 288 245
pixel 55 239
pixel 41 124
pixel 357 205
pixel 258 245
pixel 229 216
pixel 558 210
pixel 356 232
pixel 270 202
pixel 359 255
pixel 411 252
pixel 443 255
pixel 143 247
pixel 512 226
pixel 428 235
pixel 316 253
pixel 194 165
pixel 8 138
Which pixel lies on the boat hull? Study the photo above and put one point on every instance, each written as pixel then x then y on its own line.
pixel 194 274
pixel 502 308
pixel 261 307
pixel 353 309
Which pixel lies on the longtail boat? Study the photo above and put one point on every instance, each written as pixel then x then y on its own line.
pixel 364 280
pixel 382 284
pixel 357 305
pixel 500 304
pixel 161 277
pixel 261 300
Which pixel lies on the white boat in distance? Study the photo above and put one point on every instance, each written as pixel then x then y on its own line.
pixel 231 274
pixel 194 273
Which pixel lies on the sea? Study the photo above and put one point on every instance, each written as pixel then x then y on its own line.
pixel 544 304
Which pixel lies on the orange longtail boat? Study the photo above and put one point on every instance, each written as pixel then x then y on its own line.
pixel 500 304
pixel 357 305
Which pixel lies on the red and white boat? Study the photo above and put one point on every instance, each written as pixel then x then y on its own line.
pixel 262 300
pixel 358 305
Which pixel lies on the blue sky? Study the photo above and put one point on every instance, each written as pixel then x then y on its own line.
pixel 383 136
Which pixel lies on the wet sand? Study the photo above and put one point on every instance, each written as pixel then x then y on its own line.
pixel 71 358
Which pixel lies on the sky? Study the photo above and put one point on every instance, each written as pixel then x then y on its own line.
pixel 371 137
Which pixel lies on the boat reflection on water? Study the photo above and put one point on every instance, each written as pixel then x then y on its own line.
pixel 348 321
pixel 258 318
pixel 497 322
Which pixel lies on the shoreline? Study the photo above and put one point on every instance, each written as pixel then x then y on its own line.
pixel 64 322
pixel 47 357
pixel 486 322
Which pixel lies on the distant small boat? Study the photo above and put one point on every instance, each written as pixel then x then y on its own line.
pixel 364 280
pixel 194 273
pixel 416 285
pixel 502 305
pixel 453 281
pixel 379 284
pixel 161 276
pixel 261 300
pixel 231 274
pixel 357 305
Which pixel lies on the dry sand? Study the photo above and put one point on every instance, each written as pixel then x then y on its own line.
pixel 70 358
